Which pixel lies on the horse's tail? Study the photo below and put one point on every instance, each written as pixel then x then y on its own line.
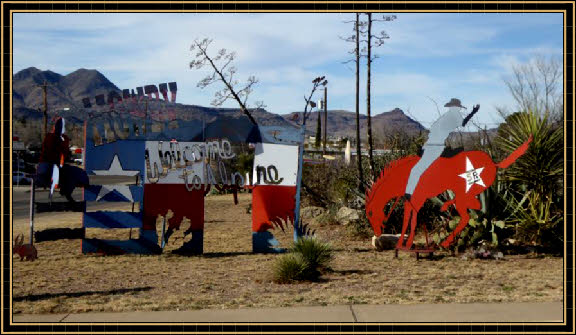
pixel 521 150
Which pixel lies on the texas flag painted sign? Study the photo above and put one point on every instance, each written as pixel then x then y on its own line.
pixel 184 169
pixel 174 164
pixel 274 179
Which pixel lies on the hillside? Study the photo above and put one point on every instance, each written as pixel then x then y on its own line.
pixel 67 92
pixel 343 123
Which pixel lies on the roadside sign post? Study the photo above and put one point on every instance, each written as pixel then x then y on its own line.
pixel 32 200
pixel 298 183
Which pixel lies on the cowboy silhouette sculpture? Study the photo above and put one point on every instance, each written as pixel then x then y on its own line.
pixel 419 178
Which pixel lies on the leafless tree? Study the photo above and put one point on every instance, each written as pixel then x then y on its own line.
pixel 537 86
pixel 356 52
pixel 372 41
pixel 223 71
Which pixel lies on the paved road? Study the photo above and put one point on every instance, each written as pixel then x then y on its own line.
pixel 21 203
pixel 480 313
pixel 21 199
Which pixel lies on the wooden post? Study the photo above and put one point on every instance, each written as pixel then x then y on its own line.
pixel 32 200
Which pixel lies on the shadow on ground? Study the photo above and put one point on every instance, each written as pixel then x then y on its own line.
pixel 36 297
pixel 54 234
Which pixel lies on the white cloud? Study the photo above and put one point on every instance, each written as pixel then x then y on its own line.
pixel 285 51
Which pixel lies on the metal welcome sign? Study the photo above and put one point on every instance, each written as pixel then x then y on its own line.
pixel 162 165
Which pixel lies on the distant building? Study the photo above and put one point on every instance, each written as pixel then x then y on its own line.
pixel 17 145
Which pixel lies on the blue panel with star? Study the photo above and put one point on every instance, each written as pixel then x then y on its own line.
pixel 112 194
pixel 120 158
pixel 115 158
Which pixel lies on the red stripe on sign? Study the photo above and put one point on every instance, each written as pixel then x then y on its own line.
pixel 270 204
pixel 160 198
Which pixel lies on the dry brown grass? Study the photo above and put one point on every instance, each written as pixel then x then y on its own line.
pixel 228 275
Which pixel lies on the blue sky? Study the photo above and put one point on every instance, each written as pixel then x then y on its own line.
pixel 429 56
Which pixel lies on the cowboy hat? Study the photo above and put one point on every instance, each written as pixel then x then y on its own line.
pixel 454 103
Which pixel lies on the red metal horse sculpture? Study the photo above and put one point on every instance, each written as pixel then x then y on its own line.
pixel 466 174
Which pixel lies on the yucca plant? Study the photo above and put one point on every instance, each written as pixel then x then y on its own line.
pixel 305 261
pixel 537 220
pixel 535 180
pixel 542 166
pixel 289 268
pixel 316 254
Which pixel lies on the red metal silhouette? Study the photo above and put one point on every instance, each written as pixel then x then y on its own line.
pixel 467 174
pixel 25 251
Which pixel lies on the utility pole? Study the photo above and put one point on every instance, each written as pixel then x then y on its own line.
pixel 44 92
pixel 318 131
pixel 378 41
pixel 358 142
pixel 325 118
pixel 368 74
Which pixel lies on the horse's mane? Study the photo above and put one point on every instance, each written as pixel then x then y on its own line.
pixel 383 175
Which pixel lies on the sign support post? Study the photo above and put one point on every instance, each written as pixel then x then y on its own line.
pixel 32 200
pixel 299 183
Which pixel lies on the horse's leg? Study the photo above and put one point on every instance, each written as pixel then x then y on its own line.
pixel 447 204
pixel 413 218
pixel 407 215
pixel 464 218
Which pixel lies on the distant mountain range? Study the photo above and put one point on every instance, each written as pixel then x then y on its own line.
pixel 69 90
pixel 343 123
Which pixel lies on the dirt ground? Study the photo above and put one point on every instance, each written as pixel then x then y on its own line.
pixel 228 275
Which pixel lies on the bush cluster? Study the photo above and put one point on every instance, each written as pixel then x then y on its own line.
pixel 305 261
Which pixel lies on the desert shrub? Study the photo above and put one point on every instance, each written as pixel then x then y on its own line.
pixel 361 228
pixel 315 253
pixel 479 231
pixel 326 184
pixel 328 217
pixel 289 268
pixel 305 261
pixel 335 183
pixel 486 226
pixel 537 220
pixel 245 162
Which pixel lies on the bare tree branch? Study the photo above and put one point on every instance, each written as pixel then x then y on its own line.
pixel 435 103
pixel 537 86
pixel 223 72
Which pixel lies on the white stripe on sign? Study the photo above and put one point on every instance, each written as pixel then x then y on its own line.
pixel 275 164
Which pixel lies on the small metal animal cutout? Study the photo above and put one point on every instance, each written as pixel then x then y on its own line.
pixel 25 251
